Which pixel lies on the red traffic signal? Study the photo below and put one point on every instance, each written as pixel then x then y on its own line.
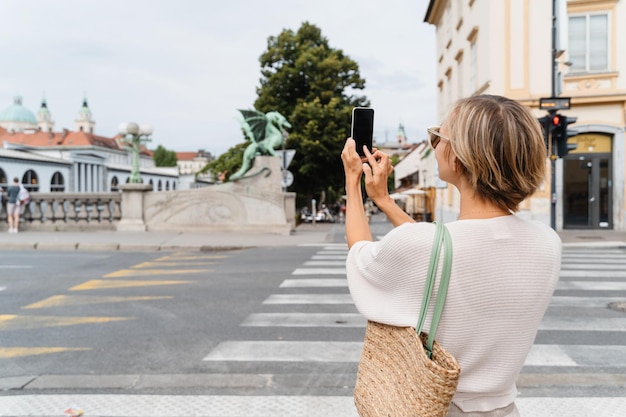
pixel 556 120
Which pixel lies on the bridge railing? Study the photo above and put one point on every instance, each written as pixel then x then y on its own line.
pixel 69 211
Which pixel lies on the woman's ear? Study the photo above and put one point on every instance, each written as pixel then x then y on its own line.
pixel 454 163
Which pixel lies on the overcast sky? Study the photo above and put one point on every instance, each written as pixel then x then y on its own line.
pixel 186 66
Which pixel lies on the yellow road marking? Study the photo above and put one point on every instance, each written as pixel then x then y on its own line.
pixel 100 284
pixel 14 352
pixel 15 322
pixel 76 300
pixel 135 272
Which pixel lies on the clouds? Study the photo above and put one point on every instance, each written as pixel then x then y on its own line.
pixel 186 66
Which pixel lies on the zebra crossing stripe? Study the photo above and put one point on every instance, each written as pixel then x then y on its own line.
pixel 594 267
pixel 583 302
pixel 592 285
pixel 325 263
pixel 308 299
pixel 329 257
pixel 314 282
pixel 576 355
pixel 286 351
pixel 592 273
pixel 599 324
pixel 304 320
pixel 302 351
pixel 319 271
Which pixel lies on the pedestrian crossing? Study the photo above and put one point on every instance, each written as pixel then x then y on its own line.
pixel 590 280
pixel 577 366
pixel 588 267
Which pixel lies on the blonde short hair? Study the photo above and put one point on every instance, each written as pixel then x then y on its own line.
pixel 499 145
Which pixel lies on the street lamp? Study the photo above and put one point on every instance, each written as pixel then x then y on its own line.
pixel 133 136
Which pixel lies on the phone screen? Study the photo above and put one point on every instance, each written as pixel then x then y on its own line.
pixel 363 128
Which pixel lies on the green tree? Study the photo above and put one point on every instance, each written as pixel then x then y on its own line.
pixel 313 86
pixel 228 163
pixel 164 158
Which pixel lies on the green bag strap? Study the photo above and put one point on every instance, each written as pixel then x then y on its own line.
pixel 442 239
pixel 430 275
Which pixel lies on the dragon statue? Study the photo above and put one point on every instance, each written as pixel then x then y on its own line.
pixel 266 132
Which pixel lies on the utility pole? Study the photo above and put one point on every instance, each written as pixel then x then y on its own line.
pixel 554 125
pixel 552 145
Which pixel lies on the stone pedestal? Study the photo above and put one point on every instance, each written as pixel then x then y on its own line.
pixel 255 203
pixel 133 207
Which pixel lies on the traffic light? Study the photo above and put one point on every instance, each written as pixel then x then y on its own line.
pixel 545 126
pixel 560 134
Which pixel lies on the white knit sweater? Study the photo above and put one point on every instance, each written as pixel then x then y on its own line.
pixel 504 271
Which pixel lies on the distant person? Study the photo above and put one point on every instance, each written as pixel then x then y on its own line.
pixel 13 205
pixel 504 268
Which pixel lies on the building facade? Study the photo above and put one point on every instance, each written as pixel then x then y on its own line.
pixel 69 161
pixel 505 48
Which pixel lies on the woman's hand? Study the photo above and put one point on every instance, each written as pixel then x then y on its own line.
pixel 352 163
pixel 357 228
pixel 377 171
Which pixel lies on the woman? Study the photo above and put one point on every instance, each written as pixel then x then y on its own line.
pixel 504 268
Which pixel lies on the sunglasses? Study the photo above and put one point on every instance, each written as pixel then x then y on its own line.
pixel 435 137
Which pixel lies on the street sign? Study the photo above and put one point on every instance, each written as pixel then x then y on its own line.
pixel 285 157
pixel 555 103
pixel 287 178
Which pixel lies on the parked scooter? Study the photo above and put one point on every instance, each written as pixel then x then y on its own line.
pixel 324 216
pixel 306 216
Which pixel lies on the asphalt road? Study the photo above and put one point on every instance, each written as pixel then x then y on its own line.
pixel 238 327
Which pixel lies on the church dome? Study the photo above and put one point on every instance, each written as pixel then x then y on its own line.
pixel 18 113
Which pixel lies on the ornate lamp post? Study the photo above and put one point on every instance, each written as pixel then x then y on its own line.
pixel 133 136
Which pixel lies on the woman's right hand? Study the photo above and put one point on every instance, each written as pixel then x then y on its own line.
pixel 352 164
pixel 377 172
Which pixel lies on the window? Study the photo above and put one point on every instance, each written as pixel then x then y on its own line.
pixel 114 183
pixel 3 179
pixel 473 61
pixel 159 186
pixel 589 42
pixel 459 76
pixel 30 181
pixel 473 78
pixel 57 183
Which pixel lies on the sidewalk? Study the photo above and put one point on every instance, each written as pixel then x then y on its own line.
pixel 318 233
pixel 171 240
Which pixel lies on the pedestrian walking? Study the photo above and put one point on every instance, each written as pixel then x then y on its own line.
pixel 504 268
pixel 13 205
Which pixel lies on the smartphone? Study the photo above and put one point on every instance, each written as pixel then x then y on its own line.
pixel 363 128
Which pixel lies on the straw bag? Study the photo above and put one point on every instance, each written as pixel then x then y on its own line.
pixel 404 371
